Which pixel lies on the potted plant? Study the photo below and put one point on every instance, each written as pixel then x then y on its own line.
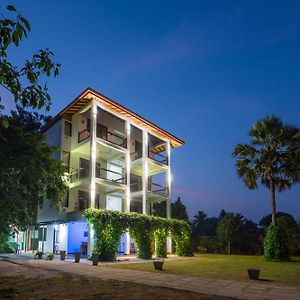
pixel 39 254
pixel 62 255
pixel 158 264
pixel 77 257
pixel 95 259
pixel 50 256
pixel 253 274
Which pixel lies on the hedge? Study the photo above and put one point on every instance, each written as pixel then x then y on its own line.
pixel 110 225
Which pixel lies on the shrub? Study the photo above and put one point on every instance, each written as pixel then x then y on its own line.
pixel 39 254
pixel 50 256
pixel 276 246
pixel 5 246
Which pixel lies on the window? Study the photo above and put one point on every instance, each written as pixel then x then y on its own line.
pixel 68 128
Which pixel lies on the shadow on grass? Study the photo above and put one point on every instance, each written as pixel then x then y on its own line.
pixel 265 280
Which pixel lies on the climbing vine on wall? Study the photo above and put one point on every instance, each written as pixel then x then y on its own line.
pixel 110 225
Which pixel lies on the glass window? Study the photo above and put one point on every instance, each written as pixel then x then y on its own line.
pixel 68 128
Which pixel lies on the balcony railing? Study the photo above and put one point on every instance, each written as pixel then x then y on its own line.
pixel 110 175
pixel 158 157
pixel 83 135
pixel 158 189
pixel 112 137
pixel 78 174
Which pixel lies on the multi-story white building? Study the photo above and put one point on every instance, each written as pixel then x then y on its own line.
pixel 117 160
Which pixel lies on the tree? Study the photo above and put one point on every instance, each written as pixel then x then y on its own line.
pixel 292 230
pixel 266 220
pixel 271 158
pixel 28 172
pixel 178 210
pixel 27 83
pixel 204 226
pixel 229 230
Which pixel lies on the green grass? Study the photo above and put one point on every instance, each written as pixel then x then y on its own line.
pixel 230 267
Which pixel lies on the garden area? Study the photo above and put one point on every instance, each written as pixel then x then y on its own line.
pixel 228 267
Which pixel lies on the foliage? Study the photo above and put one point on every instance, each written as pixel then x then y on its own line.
pixel 109 226
pixel 5 246
pixel 50 256
pixel 208 244
pixel 267 220
pixel 28 172
pixel 27 83
pixel 292 230
pixel 271 158
pixel 276 244
pixel 160 236
pixel 202 225
pixel 39 254
pixel 229 230
pixel 141 230
pixel 181 233
pixel 178 210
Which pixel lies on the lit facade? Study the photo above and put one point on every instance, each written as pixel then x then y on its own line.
pixel 116 160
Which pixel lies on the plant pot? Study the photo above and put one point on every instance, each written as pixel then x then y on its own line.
pixel 77 257
pixel 95 259
pixel 62 255
pixel 158 264
pixel 253 274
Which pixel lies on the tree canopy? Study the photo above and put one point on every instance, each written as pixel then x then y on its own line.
pixel 229 230
pixel 28 172
pixel 271 158
pixel 26 83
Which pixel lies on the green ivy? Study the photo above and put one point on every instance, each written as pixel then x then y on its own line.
pixel 181 233
pixel 276 246
pixel 110 225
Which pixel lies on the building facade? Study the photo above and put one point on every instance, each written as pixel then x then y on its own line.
pixel 116 160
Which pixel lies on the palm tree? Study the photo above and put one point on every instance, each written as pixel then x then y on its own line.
pixel 271 158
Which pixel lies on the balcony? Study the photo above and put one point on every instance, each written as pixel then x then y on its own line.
pixel 83 135
pixel 104 134
pixel 113 138
pixel 110 175
pixel 76 175
pixel 155 188
pixel 158 189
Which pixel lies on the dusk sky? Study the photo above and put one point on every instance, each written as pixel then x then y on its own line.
pixel 203 70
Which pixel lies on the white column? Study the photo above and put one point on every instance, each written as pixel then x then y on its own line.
pixel 92 169
pixel 145 170
pixel 127 196
pixel 168 204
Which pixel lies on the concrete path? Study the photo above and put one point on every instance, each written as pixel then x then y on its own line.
pixel 240 290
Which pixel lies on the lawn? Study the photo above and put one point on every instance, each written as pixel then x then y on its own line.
pixel 230 267
pixel 24 282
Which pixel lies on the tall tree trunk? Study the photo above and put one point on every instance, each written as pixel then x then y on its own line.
pixel 273 203
pixel 229 248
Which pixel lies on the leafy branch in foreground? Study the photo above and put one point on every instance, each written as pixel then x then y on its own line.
pixel 26 83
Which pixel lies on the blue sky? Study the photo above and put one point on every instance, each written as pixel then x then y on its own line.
pixel 204 70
